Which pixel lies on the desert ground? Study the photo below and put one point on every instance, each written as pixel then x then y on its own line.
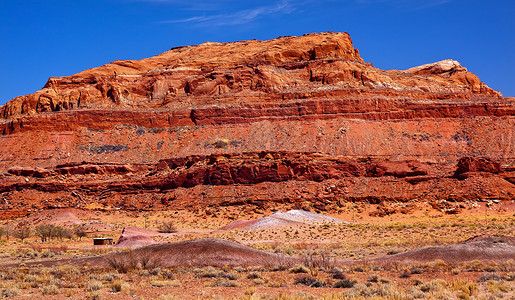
pixel 422 253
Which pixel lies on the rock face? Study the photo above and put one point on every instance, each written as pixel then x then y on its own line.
pixel 300 121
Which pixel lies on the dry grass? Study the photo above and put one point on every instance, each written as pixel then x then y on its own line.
pixel 244 283
pixel 134 274
pixel 124 262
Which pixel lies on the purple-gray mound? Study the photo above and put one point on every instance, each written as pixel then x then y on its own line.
pixel 204 252
pixel 482 248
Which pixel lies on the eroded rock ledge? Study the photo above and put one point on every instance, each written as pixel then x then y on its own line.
pixel 294 179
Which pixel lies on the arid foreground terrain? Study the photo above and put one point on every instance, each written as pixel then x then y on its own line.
pixel 288 168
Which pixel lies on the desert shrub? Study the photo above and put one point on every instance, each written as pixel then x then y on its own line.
pixel 228 275
pixel 475 265
pixel 433 285
pixel 130 260
pixel 384 280
pixel 417 294
pixel 9 293
pixel 69 293
pixel 225 283
pixel 499 287
pixel 93 296
pixel 346 283
pixel 121 264
pixel 159 283
pixel 146 261
pixel 393 251
pixel 80 231
pixel 50 290
pixel 359 290
pixel 44 231
pixel 253 275
pixel 315 260
pixel 47 253
pixel 467 288
pixel 250 291
pixel 57 282
pixel 155 271
pixel 309 281
pixel 60 232
pixel 299 269
pixel 390 292
pixel 438 265
pixel 509 277
pixel 68 233
pixel 31 254
pixel 30 278
pixel 8 276
pixel 8 230
pixel 416 270
pixel 94 285
pixel 282 262
pixel 489 276
pixel 107 277
pixel 456 271
pixel 167 274
pixel 116 286
pixel 22 232
pixel 337 274
pixel 405 275
pixel 167 227
pixel 209 272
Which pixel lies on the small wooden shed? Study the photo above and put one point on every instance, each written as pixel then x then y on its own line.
pixel 102 241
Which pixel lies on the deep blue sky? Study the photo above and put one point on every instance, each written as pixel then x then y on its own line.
pixel 43 38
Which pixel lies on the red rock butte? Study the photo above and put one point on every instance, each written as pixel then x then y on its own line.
pixel 299 121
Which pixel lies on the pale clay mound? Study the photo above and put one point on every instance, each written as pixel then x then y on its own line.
pixel 484 249
pixel 135 237
pixel 134 241
pixel 282 219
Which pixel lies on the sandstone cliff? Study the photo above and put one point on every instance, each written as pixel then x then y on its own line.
pixel 302 121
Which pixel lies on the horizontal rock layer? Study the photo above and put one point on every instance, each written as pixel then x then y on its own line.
pixel 253 180
pixel 296 121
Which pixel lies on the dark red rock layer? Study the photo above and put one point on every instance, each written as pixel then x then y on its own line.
pixel 251 180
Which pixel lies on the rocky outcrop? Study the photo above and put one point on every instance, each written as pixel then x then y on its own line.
pixel 288 68
pixel 304 117
pixel 255 180
pixel 476 164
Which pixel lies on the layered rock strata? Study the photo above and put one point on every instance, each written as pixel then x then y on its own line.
pixel 301 121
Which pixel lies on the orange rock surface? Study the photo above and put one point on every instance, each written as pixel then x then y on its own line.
pixel 296 120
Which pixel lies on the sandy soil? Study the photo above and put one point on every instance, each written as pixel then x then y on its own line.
pixel 457 249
